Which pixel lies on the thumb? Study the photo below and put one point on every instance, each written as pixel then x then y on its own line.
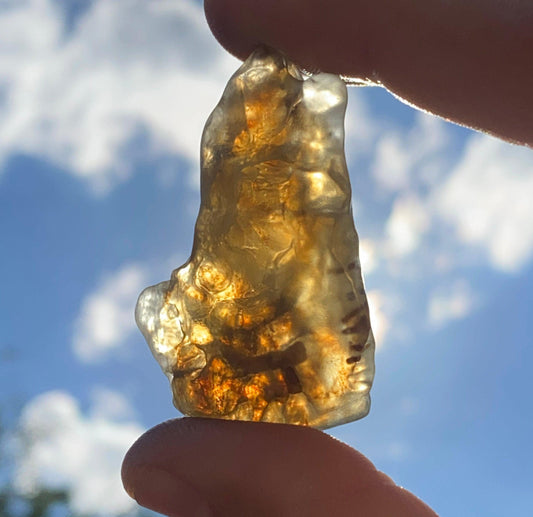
pixel 337 36
pixel 200 467
pixel 466 61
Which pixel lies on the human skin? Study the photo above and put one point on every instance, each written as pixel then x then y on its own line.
pixel 193 467
pixel 470 62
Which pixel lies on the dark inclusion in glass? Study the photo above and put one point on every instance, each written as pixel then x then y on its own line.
pixel 268 319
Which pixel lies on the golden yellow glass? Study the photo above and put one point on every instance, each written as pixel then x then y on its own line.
pixel 268 320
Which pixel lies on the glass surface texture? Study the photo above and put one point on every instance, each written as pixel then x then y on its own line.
pixel 268 320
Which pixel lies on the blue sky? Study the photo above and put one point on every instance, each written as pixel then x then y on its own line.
pixel 102 105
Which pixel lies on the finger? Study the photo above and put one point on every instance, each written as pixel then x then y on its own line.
pixel 330 36
pixel 469 62
pixel 201 467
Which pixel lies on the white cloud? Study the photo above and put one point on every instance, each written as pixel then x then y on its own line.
pixel 453 302
pixel 106 317
pixel 488 201
pixel 392 162
pixel 62 448
pixel 400 156
pixel 79 98
pixel 368 256
pixel 408 222
pixel 110 405
pixel 378 318
pixel 360 127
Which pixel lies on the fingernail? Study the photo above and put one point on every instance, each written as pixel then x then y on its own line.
pixel 160 491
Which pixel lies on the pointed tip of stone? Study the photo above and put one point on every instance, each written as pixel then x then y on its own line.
pixel 265 56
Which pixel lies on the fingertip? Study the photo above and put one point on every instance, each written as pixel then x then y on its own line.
pixel 323 36
pixel 144 450
pixel 154 482
pixel 138 456
pixel 247 468
pixel 226 22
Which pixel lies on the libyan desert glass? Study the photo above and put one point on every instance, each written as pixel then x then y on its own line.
pixel 268 319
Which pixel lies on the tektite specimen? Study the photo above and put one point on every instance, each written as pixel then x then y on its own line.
pixel 268 319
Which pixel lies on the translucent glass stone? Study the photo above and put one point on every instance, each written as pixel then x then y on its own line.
pixel 268 320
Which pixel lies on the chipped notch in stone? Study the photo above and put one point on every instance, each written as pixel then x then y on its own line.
pixel 268 320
